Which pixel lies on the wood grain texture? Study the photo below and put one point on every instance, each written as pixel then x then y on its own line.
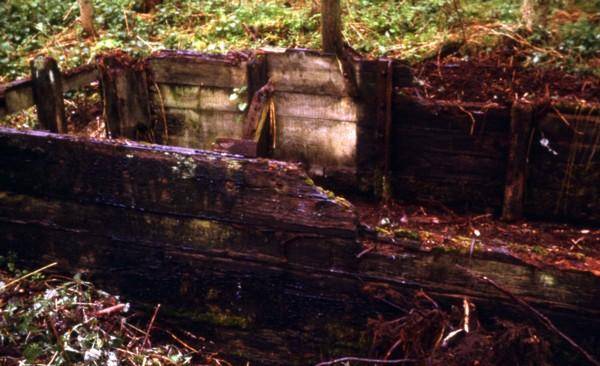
pixel 564 167
pixel 450 153
pixel 46 83
pixel 188 68
pixel 521 124
pixel 170 181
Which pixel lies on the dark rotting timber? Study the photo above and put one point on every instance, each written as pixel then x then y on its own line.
pixel 125 96
pixel 384 82
pixel 48 94
pixel 257 125
pixel 516 171
pixel 257 74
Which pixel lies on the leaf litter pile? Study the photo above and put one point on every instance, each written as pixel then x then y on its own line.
pixel 57 320
pixel 501 76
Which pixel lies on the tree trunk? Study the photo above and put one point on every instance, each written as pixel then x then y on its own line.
pixel 534 13
pixel 331 26
pixel 86 10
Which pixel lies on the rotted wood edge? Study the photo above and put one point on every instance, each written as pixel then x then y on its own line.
pixel 125 96
pixel 171 180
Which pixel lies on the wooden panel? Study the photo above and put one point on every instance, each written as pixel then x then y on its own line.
pixel 462 193
pixel 455 154
pixel 199 129
pixel 444 141
pixel 564 168
pixel 169 180
pixel 18 96
pixel 445 164
pixel 80 77
pixel 317 107
pixel 316 142
pixel 470 118
pixel 198 70
pixel 196 98
pixel 166 231
pixel 306 72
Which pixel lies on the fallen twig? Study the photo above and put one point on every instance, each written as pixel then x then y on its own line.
pixel 112 309
pixel 366 360
pixel 541 317
pixel 150 326
pixel 27 276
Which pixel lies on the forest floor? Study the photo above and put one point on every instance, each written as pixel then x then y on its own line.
pixel 436 227
pixel 58 320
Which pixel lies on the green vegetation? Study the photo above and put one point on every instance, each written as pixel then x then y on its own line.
pixel 55 320
pixel 407 29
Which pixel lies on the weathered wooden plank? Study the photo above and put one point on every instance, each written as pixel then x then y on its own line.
pixel 571 204
pixel 187 68
pixel 195 97
pixel 471 118
pixel 545 287
pixel 259 124
pixel 306 72
pixel 461 192
pixel 171 181
pixel 80 77
pixel 316 106
pixel 18 96
pixel 210 237
pixel 568 138
pixel 273 305
pixel 521 125
pixel 125 98
pixel 46 84
pixel 244 147
pixel 200 129
pixel 383 135
pixel 450 142
pixel 315 142
pixel 424 164
pixel 557 190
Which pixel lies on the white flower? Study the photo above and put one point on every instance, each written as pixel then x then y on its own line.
pixel 50 294
pixel 112 359
pixel 92 354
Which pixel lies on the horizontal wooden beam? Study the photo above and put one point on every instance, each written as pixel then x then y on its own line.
pixel 171 181
pixel 18 95
pixel 196 69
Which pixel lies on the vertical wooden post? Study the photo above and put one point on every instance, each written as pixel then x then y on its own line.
pixel 257 75
pixel 126 99
pixel 48 94
pixel 521 124
pixel 384 81
pixel 331 26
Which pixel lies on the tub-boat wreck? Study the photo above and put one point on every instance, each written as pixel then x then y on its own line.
pixel 204 193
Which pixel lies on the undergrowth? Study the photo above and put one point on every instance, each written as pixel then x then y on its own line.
pixel 56 320
pixel 408 29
